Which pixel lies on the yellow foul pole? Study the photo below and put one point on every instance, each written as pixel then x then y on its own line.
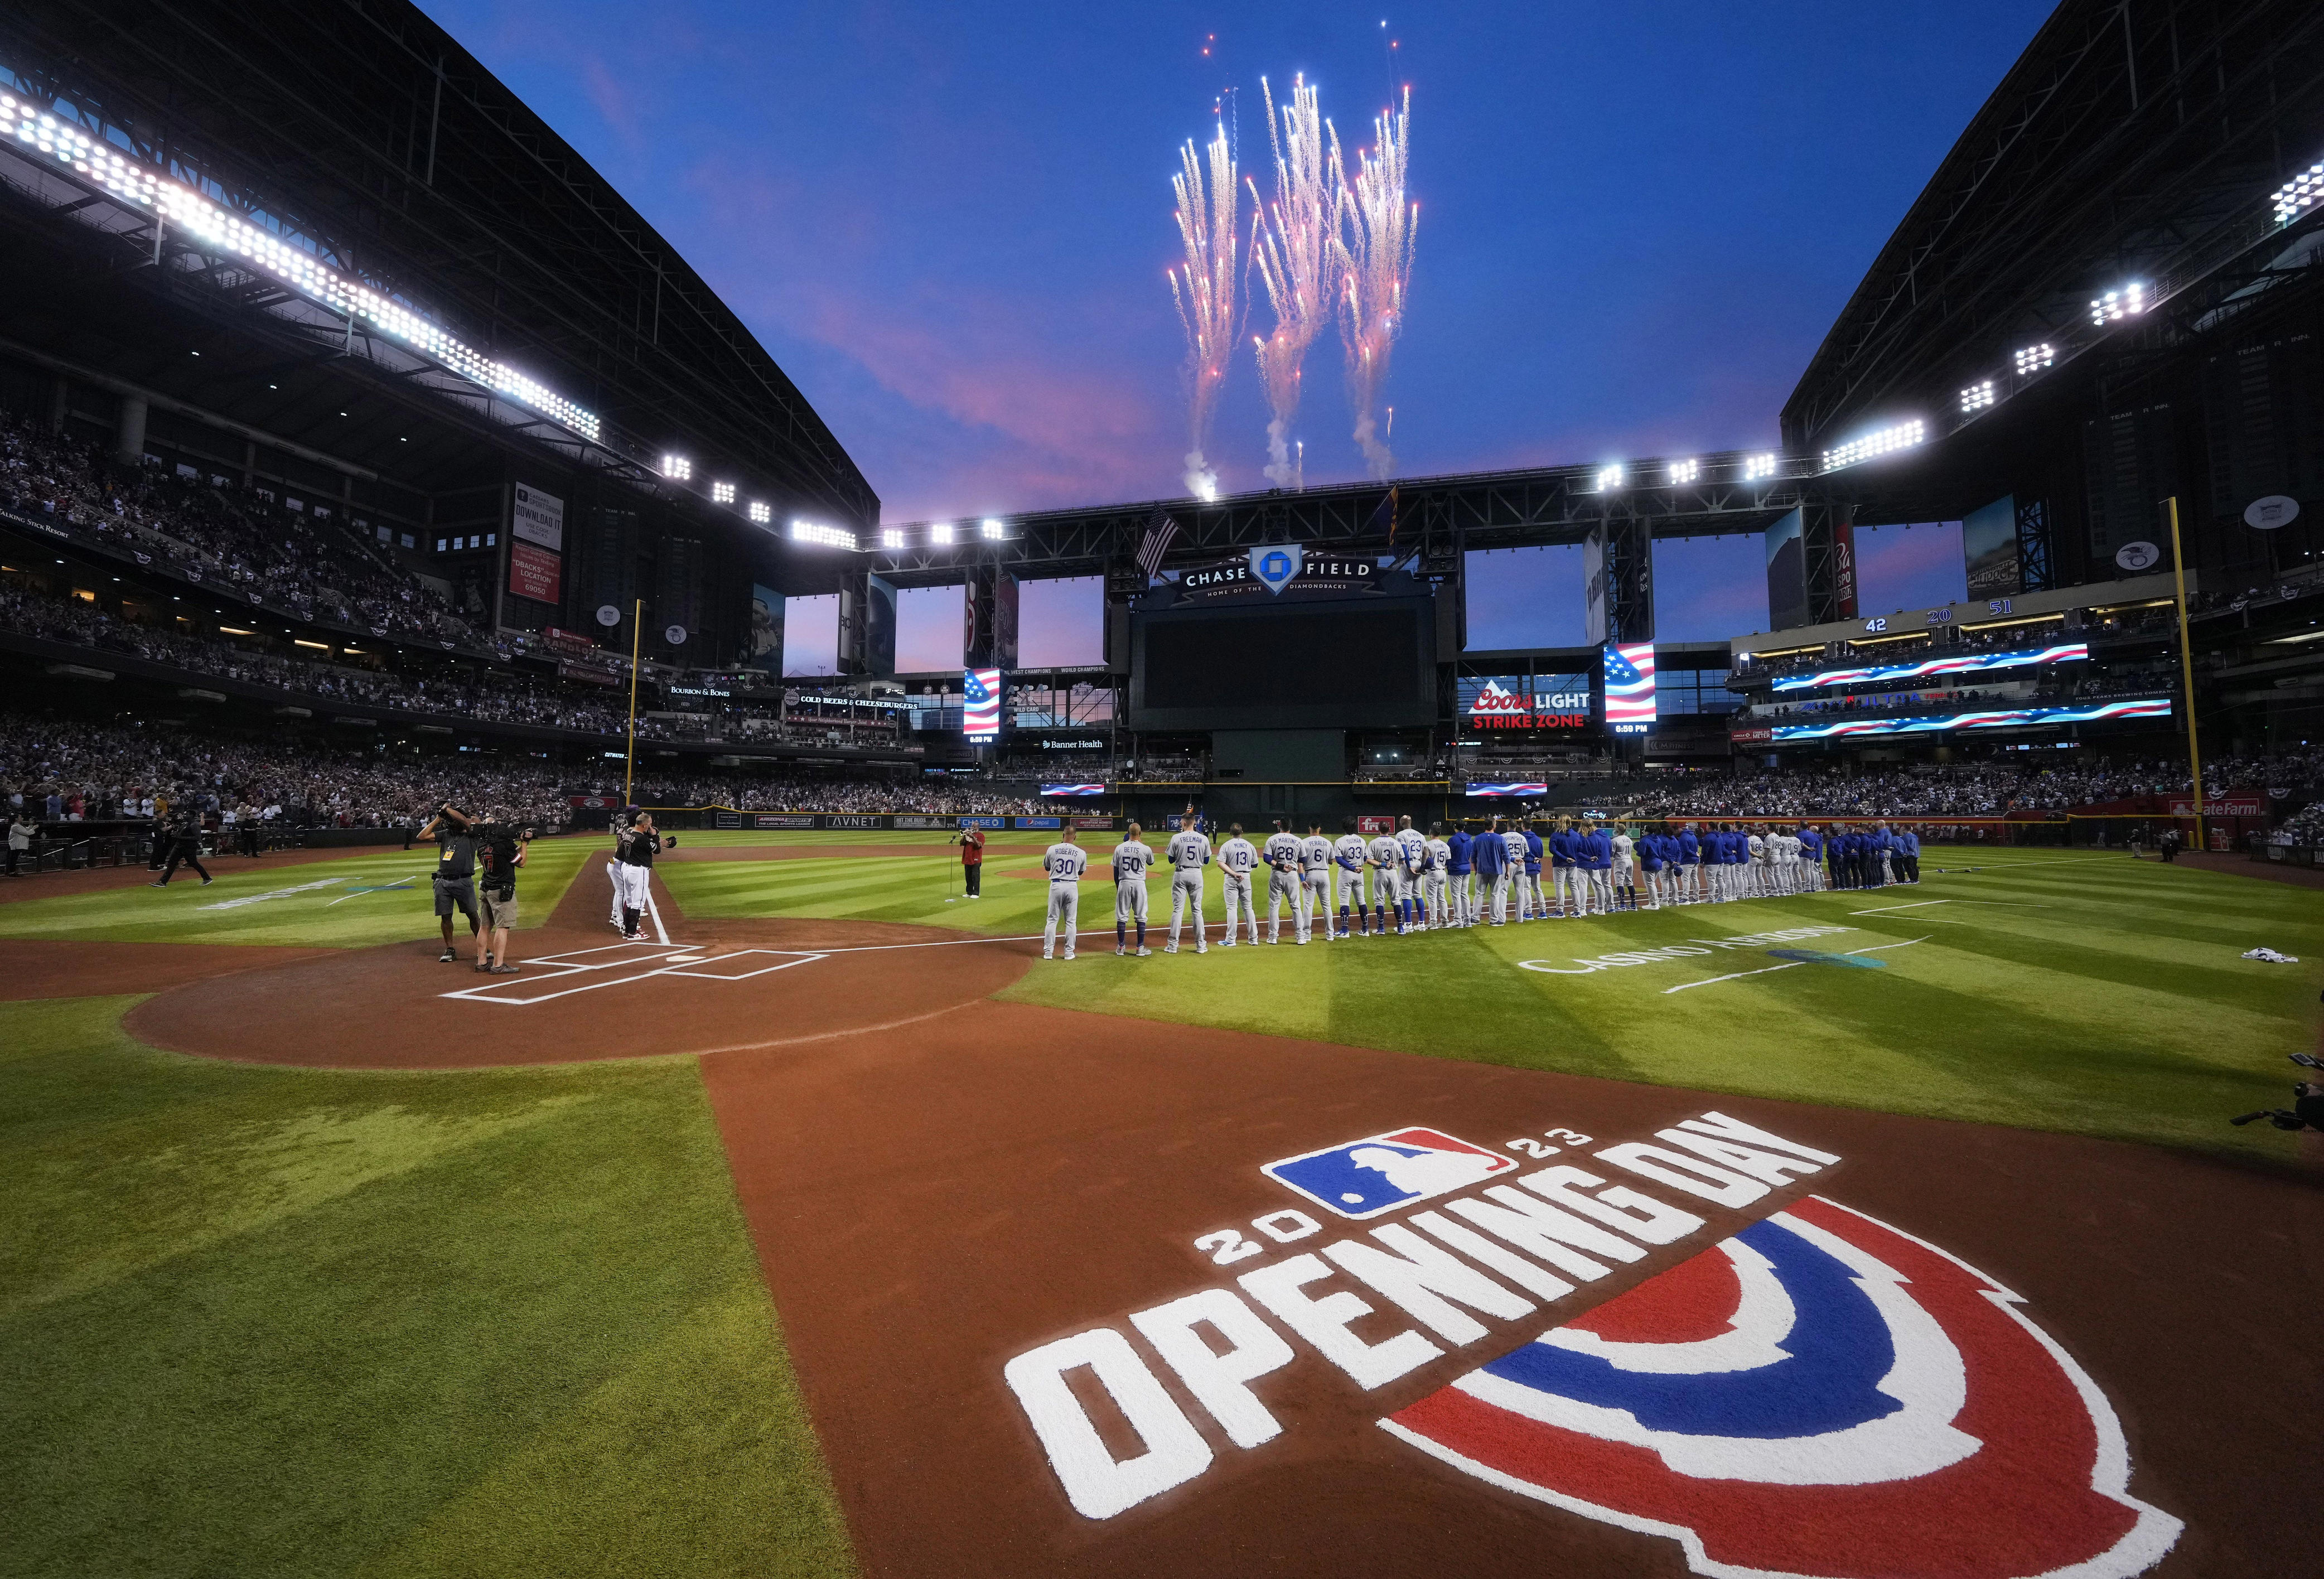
pixel 2186 672
pixel 637 630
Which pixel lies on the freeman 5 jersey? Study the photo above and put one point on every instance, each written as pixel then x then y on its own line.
pixel 1065 863
pixel 1131 860
pixel 1188 853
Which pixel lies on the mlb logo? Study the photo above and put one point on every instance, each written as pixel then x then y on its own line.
pixel 1380 1173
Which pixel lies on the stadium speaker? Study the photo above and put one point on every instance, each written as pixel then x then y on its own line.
pixel 1124 582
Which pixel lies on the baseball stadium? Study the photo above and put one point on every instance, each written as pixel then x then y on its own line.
pixel 582 999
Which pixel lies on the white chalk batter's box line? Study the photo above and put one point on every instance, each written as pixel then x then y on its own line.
pixel 587 969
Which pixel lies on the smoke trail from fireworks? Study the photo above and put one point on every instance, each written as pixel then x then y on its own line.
pixel 1292 246
pixel 1205 293
pixel 1374 243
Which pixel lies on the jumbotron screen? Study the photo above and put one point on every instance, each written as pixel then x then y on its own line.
pixel 1331 665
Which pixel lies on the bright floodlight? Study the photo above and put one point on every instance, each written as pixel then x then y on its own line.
pixel 2117 305
pixel 2299 194
pixel 891 538
pixel 2030 359
pixel 760 513
pixel 940 534
pixel 1682 471
pixel 722 492
pixel 1758 466
pixel 990 528
pixel 1883 441
pixel 1977 396
pixel 1609 478
pixel 827 537
pixel 678 468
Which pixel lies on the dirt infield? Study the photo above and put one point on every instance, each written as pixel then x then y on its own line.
pixel 47 885
pixel 46 968
pixel 928 1207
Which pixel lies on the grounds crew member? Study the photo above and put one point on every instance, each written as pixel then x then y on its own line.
pixel 501 848
pixel 454 881
pixel 971 860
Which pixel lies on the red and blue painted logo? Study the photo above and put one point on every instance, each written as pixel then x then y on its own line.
pixel 1820 1394
pixel 1380 1173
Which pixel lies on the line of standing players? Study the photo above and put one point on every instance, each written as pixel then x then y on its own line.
pixel 1409 882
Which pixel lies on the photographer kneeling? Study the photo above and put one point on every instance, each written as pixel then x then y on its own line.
pixel 454 832
pixel 501 845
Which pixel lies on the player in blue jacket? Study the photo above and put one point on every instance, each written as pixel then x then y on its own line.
pixel 1650 845
pixel 1689 865
pixel 1811 857
pixel 1911 842
pixel 1462 899
pixel 1531 904
pixel 1599 855
pixel 1492 856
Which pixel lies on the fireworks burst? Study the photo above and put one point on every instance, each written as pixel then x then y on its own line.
pixel 1292 246
pixel 1206 291
pixel 1374 253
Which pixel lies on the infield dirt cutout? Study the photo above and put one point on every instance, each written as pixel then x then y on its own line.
pixel 938 1184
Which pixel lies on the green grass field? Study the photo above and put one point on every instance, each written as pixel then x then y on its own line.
pixel 267 1321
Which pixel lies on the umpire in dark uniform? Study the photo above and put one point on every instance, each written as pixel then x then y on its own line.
pixel 183 838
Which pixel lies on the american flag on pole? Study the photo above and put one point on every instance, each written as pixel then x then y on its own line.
pixel 979 711
pixel 1155 544
pixel 1630 688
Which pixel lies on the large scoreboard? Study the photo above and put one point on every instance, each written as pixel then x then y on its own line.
pixel 1282 639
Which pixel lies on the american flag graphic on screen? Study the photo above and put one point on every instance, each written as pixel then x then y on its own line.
pixel 980 712
pixel 1630 689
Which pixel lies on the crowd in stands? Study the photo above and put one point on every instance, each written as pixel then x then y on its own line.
pixel 310 562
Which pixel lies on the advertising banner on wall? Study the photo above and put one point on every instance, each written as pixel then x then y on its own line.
pixel 763 640
pixel 1514 701
pixel 536 544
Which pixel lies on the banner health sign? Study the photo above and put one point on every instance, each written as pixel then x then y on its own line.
pixel 1514 701
pixel 1995 719
pixel 2064 652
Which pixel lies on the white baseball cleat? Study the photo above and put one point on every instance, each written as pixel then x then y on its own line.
pixel 1202 948
pixel 1069 955
pixel 1166 948
pixel 1119 951
pixel 1142 953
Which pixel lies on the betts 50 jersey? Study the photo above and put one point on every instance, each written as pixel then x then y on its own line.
pixel 1131 860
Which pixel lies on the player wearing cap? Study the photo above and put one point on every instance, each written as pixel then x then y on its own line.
pixel 1460 879
pixel 1281 853
pixel 1188 853
pixel 1387 858
pixel 1130 859
pixel 1348 874
pixel 1237 859
pixel 1065 862
pixel 1315 882
pixel 1415 846
pixel 1435 858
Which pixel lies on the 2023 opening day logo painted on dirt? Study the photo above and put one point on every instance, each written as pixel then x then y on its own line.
pixel 1818 1393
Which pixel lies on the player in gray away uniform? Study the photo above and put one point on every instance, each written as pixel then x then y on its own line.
pixel 1436 858
pixel 1387 857
pixel 1284 885
pixel 1188 854
pixel 1131 860
pixel 1065 862
pixel 1315 882
pixel 1237 859
pixel 1414 844
pixel 1348 874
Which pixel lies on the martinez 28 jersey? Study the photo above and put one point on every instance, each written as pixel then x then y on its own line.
pixel 1131 860
pixel 1282 851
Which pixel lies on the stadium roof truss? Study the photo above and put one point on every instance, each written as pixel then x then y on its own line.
pixel 368 191
pixel 2137 149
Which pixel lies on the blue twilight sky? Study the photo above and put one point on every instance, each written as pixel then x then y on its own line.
pixel 949 222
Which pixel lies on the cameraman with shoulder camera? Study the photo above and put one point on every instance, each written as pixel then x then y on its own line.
pixel 500 848
pixel 2306 1114
pixel 454 881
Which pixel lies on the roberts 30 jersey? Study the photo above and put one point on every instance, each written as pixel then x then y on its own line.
pixel 1188 853
pixel 1131 860
pixel 1238 856
pixel 1282 851
pixel 1065 863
